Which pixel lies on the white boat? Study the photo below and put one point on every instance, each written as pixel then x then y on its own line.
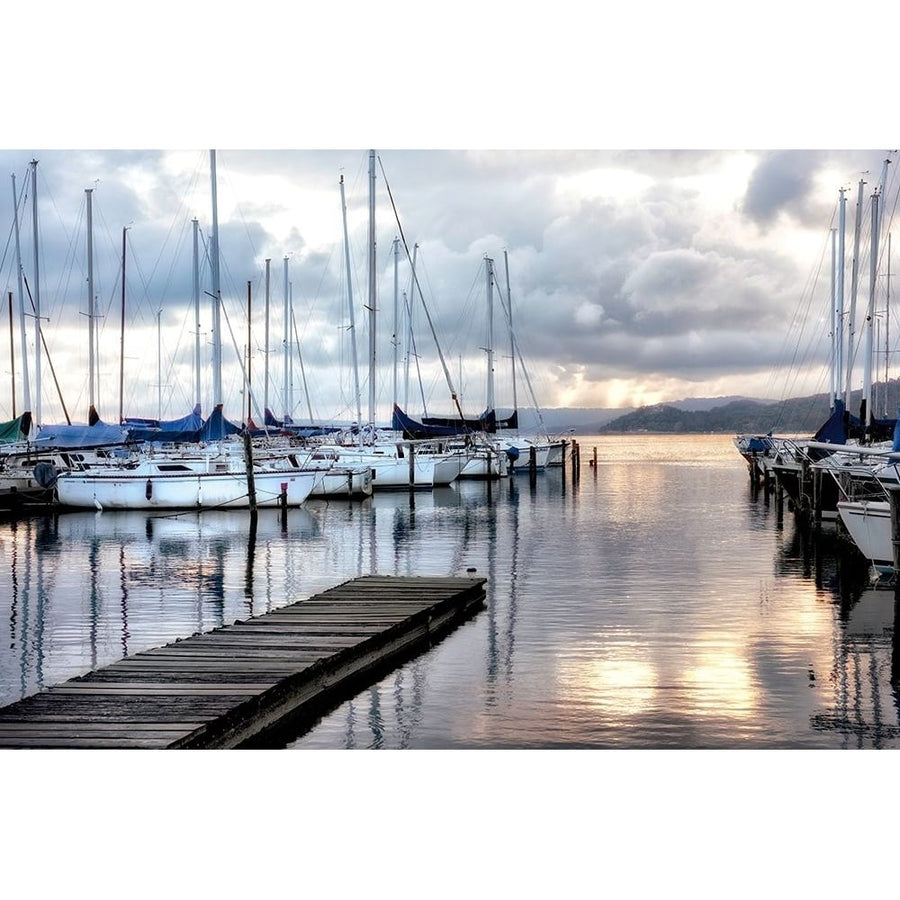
pixel 390 466
pixel 485 463
pixel 869 524
pixel 216 479
pixel 557 455
pixel 337 479
pixel 519 452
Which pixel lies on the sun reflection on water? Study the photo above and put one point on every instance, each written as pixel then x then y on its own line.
pixel 620 682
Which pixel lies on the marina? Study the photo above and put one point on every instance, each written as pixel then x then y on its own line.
pixel 655 601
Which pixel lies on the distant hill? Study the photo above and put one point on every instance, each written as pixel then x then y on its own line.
pixel 796 416
pixel 584 420
pixel 559 421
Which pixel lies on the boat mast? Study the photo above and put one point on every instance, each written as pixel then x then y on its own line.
pixel 394 340
pixel 839 310
pixel 196 228
pixel 92 362
pixel 216 288
pixel 249 346
pixel 372 291
pixel 854 283
pixel 37 297
pixel 288 373
pixel 26 386
pixel 512 344
pixel 865 411
pixel 266 344
pixel 887 326
pixel 159 363
pixel 489 280
pixel 355 359
pixel 834 319
pixel 12 355
pixel 122 337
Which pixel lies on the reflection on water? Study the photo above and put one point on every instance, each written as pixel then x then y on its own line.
pixel 654 603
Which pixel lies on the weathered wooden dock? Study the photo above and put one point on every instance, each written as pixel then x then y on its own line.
pixel 252 683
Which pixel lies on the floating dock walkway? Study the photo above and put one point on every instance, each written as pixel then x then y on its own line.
pixel 254 683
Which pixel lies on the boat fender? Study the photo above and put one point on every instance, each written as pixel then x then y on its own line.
pixel 512 453
pixel 45 474
pixel 148 491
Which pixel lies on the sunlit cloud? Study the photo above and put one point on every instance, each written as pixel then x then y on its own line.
pixel 637 276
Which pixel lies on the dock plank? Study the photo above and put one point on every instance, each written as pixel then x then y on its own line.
pixel 248 683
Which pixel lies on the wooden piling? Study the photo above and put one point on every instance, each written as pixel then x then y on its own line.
pixel 532 464
pixel 817 498
pixel 894 502
pixel 779 499
pixel 248 465
pixel 805 490
pixel 257 682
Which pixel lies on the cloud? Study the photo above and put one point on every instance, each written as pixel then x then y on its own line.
pixel 685 268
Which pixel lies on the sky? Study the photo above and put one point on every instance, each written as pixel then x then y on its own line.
pixel 635 276
pixel 647 272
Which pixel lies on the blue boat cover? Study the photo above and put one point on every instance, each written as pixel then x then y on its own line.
pixel 81 437
pixel 217 427
pixel 183 430
pixel 834 430
pixel 434 427
pixel 287 426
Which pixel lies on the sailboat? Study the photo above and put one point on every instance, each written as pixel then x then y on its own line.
pixel 393 466
pixel 211 477
pixel 833 447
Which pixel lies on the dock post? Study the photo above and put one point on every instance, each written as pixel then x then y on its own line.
pixel 895 639
pixel 412 467
pixel 283 502
pixel 894 502
pixel 805 490
pixel 766 485
pixel 779 500
pixel 565 445
pixel 532 464
pixel 594 461
pixel 817 498
pixel 248 465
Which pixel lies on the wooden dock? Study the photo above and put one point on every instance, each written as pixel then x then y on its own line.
pixel 254 683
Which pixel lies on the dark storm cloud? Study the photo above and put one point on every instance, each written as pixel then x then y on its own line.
pixel 781 183
pixel 787 182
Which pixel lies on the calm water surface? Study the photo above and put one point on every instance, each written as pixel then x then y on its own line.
pixel 654 604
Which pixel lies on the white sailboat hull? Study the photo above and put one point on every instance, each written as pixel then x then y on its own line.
pixel 869 524
pixel 389 471
pixel 485 465
pixel 344 482
pixel 161 490
pixel 522 462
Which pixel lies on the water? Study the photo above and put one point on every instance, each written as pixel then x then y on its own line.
pixel 655 604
